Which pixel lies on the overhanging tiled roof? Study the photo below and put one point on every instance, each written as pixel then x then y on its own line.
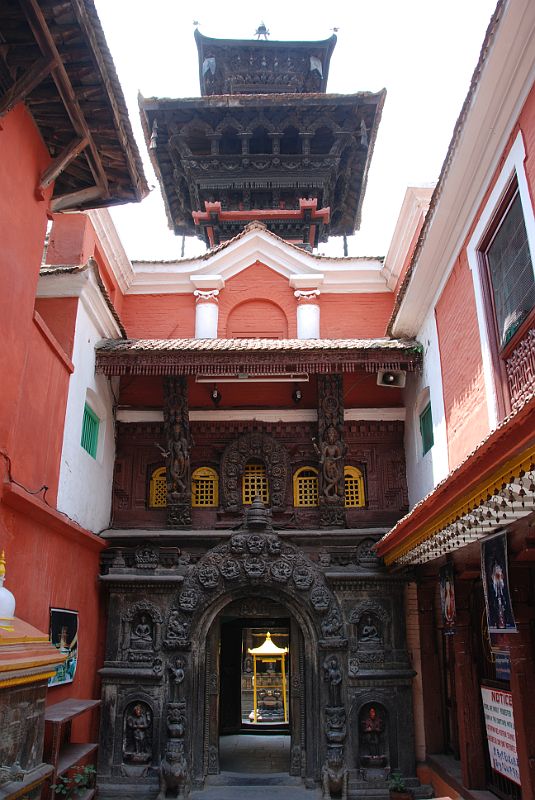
pixel 479 495
pixel 54 57
pixel 261 356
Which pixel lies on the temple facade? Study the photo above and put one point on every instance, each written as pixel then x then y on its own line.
pixel 262 491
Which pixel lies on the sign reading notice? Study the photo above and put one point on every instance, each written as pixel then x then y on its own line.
pixel 498 708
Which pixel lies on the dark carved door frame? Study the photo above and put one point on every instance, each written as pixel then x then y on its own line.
pixel 304 689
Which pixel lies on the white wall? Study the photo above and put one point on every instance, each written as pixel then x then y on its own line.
pixel 85 483
pixel 425 471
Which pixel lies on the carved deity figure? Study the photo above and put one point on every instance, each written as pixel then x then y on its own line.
pixel 333 674
pixel 137 745
pixel 176 627
pixel 174 773
pixel 331 460
pixel 371 733
pixel 141 636
pixel 334 776
pixel 368 631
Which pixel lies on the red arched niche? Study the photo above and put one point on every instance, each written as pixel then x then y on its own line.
pixel 257 319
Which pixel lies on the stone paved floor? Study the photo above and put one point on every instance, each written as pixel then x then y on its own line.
pixel 252 753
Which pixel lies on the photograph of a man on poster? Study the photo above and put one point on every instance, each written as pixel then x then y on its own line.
pixel 447 598
pixel 494 574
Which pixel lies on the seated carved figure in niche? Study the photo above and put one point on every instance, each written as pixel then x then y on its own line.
pixel 372 743
pixel 369 630
pixel 141 636
pixel 137 733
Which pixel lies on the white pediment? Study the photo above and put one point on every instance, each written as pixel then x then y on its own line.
pixel 303 270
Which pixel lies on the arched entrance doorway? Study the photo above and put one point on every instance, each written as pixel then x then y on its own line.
pixel 225 688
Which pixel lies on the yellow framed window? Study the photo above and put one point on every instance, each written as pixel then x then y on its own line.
pixel 204 488
pixel 306 487
pixel 158 488
pixel 255 484
pixel 354 488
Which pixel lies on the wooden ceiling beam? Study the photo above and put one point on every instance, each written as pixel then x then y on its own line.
pixel 61 162
pixel 75 199
pixel 27 83
pixel 45 40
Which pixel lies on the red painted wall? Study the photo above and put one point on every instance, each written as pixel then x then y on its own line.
pixel 43 568
pixel 59 313
pixel 257 283
pixel 462 366
pixel 73 241
pixel 159 316
pixel 355 316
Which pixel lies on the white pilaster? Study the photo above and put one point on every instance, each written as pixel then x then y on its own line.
pixel 206 313
pixel 308 314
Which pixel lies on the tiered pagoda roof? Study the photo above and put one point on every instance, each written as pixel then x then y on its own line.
pixel 263 138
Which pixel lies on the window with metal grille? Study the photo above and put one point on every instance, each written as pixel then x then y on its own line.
pixel 306 487
pixel 354 488
pixel 426 429
pixel 90 426
pixel 255 484
pixel 510 270
pixel 158 488
pixel 204 488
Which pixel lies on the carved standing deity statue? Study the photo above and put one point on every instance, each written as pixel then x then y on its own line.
pixel 331 460
pixel 137 739
pixel 333 675
pixel 372 734
pixel 176 421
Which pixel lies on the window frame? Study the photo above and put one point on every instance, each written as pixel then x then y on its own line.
pixel 90 414
pixel 210 475
pixel 495 379
pixel 157 474
pixel 426 410
pixel 298 478
pixel 356 474
pixel 265 495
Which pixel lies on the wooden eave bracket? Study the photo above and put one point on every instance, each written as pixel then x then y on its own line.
pixel 61 162
pixel 46 43
pixel 27 83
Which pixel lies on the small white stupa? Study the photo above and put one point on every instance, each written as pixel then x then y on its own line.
pixel 7 600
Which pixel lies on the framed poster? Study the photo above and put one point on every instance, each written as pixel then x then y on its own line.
pixel 495 576
pixel 64 636
pixel 501 737
pixel 447 598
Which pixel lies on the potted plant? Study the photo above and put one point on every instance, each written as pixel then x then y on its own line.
pixel 76 782
pixel 398 787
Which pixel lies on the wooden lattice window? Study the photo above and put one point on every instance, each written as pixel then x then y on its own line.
pixel 255 484
pixel 354 488
pixel 204 488
pixel 158 488
pixel 90 426
pixel 426 429
pixel 306 487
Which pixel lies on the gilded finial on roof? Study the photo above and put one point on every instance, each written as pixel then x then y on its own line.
pixel 262 31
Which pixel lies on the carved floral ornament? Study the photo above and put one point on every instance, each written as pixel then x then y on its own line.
pixel 309 296
pixel 206 295
pixel 254 559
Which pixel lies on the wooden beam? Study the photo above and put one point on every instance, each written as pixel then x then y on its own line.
pixel 26 83
pixel 61 162
pixel 44 39
pixel 75 199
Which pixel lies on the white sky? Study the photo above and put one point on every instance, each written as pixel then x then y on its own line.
pixel 422 51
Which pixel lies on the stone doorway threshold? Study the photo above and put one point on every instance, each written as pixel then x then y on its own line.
pixel 252 763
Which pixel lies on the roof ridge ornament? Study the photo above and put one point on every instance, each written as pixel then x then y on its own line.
pixel 262 31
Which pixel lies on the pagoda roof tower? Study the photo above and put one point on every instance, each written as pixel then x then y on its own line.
pixel 263 142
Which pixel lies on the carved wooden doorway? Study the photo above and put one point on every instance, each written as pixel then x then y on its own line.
pixel 228 697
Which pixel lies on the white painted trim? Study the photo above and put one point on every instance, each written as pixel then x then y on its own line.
pixel 82 284
pixel 181 277
pixel 263 415
pixel 505 82
pixel 112 247
pixel 513 166
pixel 413 209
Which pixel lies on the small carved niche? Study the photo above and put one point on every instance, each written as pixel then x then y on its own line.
pixel 137 733
pixel 373 735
